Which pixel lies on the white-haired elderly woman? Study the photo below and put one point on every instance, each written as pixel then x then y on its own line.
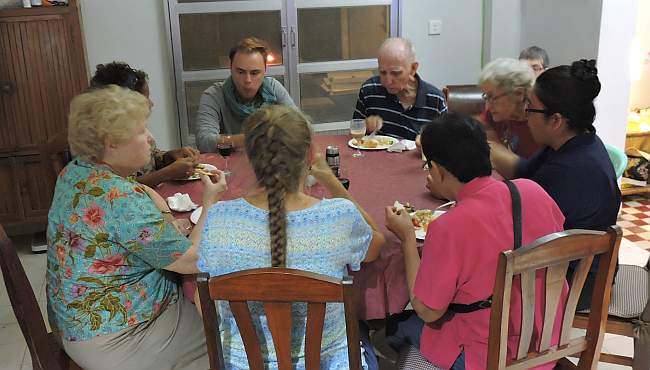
pixel 113 250
pixel 505 84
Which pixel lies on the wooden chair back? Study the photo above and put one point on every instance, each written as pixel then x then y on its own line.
pixel 55 154
pixel 45 354
pixel 464 99
pixel 277 288
pixel 553 253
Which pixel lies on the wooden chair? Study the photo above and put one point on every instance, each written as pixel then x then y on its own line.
pixel 464 99
pixel 277 288
pixel 44 347
pixel 632 282
pixel 553 253
pixel 55 154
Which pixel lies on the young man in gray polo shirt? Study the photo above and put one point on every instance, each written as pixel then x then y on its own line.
pixel 225 105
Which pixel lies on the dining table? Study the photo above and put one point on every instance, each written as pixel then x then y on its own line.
pixel 376 180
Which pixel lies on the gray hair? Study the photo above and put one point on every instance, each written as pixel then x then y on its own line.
pixel 535 53
pixel 508 74
pixel 399 47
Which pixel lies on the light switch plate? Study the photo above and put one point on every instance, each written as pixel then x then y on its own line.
pixel 435 26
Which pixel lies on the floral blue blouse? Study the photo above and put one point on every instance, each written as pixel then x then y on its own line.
pixel 323 239
pixel 107 245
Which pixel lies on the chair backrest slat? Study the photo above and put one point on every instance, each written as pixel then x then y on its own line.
pixel 555 282
pixel 527 312
pixel 277 289
pixel 25 307
pixel 553 253
pixel 278 316
pixel 243 318
pixel 576 284
pixel 314 334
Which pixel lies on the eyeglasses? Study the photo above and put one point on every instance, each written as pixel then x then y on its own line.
pixel 491 99
pixel 535 110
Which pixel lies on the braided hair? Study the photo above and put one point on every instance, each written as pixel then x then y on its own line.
pixel 570 91
pixel 277 141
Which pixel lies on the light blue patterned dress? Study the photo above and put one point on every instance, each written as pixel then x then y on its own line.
pixel 323 239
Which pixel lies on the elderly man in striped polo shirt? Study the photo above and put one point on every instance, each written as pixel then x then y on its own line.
pixel 398 102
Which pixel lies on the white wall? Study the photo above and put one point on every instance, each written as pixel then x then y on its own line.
pixel 503 32
pixel 568 30
pixel 640 93
pixel 618 28
pixel 134 32
pixel 454 56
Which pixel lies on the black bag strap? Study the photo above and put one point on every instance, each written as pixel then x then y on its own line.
pixel 516 224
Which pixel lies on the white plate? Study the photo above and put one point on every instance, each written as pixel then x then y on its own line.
pixel 353 143
pixel 194 217
pixel 206 166
pixel 420 232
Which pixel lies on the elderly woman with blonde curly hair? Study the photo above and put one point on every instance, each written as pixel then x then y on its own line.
pixel 113 248
pixel 505 84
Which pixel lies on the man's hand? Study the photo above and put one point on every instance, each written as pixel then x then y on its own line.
pixel 212 190
pixel 399 222
pixel 184 152
pixel 374 123
pixel 180 168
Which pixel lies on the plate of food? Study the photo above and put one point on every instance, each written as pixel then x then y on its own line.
pixel 201 168
pixel 378 142
pixel 194 217
pixel 421 219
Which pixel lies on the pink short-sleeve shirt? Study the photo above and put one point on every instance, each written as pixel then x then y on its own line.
pixel 459 261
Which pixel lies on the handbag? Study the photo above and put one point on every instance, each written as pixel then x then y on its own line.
pixel 516 223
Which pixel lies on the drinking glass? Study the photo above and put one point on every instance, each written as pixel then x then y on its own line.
pixel 357 130
pixel 225 149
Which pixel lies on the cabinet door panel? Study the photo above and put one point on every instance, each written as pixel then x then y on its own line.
pixel 36 185
pixel 39 65
pixel 10 204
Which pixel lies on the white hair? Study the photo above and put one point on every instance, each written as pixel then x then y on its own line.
pixel 508 74
pixel 398 47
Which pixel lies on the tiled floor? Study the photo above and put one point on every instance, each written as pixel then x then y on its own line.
pixel 634 218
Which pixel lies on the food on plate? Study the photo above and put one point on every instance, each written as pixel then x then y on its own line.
pixel 422 218
pixel 200 171
pixel 374 142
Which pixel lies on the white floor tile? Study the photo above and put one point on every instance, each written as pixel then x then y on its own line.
pixel 12 355
pixel 618 344
pixel 7 315
pixel 10 333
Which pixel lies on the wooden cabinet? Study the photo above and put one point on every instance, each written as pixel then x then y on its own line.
pixel 42 67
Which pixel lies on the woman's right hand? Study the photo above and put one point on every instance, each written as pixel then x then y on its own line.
pixel 320 169
pixel 212 190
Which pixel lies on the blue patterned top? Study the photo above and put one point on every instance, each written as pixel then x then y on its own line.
pixel 107 245
pixel 322 239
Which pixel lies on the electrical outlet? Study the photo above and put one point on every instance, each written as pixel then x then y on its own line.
pixel 435 26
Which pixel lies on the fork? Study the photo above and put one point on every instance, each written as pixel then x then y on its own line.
pixel 450 203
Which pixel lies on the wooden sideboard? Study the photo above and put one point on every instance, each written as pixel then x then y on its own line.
pixel 42 66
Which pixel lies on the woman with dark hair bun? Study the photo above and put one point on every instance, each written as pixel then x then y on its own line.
pixel 573 167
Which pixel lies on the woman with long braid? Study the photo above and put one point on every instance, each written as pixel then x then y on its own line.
pixel 278 225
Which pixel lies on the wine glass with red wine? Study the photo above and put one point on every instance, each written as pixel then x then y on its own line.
pixel 225 149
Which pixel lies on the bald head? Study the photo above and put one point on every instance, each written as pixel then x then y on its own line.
pixel 397 48
pixel 397 64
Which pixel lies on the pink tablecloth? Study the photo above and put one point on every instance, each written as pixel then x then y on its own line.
pixel 376 180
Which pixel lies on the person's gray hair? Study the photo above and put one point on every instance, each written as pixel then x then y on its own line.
pixel 398 47
pixel 507 74
pixel 535 53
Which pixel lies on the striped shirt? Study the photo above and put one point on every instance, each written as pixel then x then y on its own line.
pixel 374 100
